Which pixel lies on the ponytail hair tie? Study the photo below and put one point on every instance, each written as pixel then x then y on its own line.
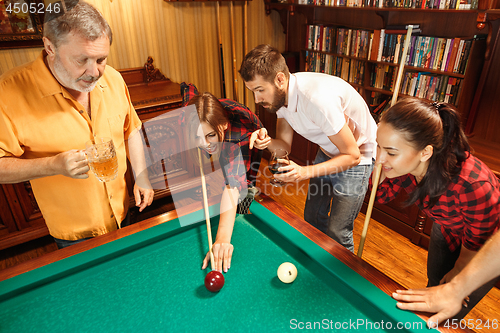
pixel 436 105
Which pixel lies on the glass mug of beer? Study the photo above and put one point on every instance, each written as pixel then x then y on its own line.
pixel 101 155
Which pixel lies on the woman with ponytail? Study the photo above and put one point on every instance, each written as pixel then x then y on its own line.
pixel 423 150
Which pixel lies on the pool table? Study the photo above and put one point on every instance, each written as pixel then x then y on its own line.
pixel 147 277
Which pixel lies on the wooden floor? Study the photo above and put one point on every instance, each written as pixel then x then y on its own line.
pixel 384 249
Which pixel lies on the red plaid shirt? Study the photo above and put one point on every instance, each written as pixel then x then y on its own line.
pixel 468 211
pixel 236 157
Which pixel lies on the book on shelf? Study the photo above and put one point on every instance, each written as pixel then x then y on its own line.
pixel 465 56
pixel 381 44
pixel 448 56
pixel 370 44
pixel 445 54
pixel 378 110
pixel 439 53
pixel 417 52
pixel 418 84
pixel 379 103
pixel 435 42
pixel 399 48
pixel 459 56
pixel 385 47
pixel 414 80
pixel 451 82
pixel 318 38
pixel 442 88
pixel 426 52
pixel 345 69
pixel 324 34
pixel 453 55
pixel 431 87
pixel 375 44
pixel 348 42
pixel 455 91
pixel 309 34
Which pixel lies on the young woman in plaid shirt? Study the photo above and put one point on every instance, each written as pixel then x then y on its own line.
pixel 224 128
pixel 423 150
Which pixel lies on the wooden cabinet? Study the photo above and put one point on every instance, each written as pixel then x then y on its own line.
pixel 464 24
pixel 151 96
pixel 20 217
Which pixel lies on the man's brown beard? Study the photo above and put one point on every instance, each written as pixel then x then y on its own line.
pixel 279 101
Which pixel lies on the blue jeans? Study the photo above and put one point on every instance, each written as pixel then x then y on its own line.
pixel 334 201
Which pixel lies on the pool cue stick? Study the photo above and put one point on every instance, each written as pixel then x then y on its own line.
pixel 245 42
pixel 205 207
pixel 402 62
pixel 221 51
pixel 377 172
pixel 378 169
pixel 233 51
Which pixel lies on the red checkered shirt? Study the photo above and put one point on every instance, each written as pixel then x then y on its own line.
pixel 236 157
pixel 469 209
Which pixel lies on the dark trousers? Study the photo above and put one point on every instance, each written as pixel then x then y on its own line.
pixel 62 243
pixel 441 260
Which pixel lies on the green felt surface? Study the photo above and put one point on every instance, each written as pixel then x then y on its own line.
pixel 152 282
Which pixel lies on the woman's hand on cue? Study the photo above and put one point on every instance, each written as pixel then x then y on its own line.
pixel 223 253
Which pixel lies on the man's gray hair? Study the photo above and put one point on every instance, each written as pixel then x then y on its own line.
pixel 80 18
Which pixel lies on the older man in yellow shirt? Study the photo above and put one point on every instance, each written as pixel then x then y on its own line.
pixel 48 110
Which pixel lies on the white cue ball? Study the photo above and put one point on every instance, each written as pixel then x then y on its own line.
pixel 287 272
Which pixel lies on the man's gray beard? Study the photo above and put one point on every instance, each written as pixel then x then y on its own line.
pixel 62 74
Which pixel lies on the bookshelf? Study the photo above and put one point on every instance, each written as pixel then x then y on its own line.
pixel 435 68
pixel 440 26
pixel 436 26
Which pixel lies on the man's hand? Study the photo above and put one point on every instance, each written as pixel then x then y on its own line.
pixel 143 197
pixel 259 139
pixel 292 172
pixel 72 163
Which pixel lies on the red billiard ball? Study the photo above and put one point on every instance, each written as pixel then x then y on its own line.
pixel 214 281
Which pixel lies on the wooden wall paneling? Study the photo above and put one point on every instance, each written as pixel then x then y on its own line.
pixel 29 206
pixel 487 118
pixel 7 222
pixel 472 78
pixel 28 221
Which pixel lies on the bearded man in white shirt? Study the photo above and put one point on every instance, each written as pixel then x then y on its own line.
pixel 325 110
